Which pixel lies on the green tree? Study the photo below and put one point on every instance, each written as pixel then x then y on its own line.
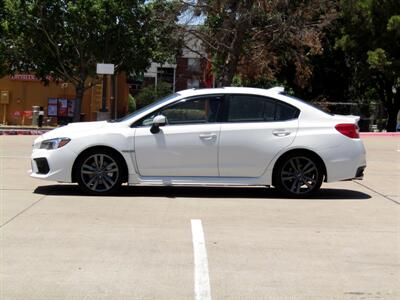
pixel 2 39
pixel 263 40
pixel 64 39
pixel 331 76
pixel 370 40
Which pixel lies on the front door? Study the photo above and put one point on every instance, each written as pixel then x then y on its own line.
pixel 186 146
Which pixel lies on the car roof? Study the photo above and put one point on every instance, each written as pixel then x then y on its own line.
pixel 232 90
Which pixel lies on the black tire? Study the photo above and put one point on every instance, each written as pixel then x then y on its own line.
pixel 99 172
pixel 298 175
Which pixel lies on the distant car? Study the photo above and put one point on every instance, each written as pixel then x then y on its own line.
pixel 207 137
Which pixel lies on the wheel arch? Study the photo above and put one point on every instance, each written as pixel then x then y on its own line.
pixel 108 148
pixel 299 151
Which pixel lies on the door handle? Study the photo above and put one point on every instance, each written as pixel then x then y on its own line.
pixel 207 136
pixel 281 132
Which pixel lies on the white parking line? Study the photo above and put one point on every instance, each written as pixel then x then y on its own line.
pixel 202 289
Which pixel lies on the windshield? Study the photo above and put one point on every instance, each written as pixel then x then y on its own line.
pixel 151 105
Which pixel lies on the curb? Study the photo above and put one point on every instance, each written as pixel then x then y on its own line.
pixel 23 131
pixel 366 134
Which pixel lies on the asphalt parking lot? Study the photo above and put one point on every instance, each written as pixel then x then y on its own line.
pixel 58 244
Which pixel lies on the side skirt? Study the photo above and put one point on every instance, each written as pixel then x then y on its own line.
pixel 199 181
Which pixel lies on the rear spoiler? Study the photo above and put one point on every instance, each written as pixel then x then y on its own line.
pixel 355 118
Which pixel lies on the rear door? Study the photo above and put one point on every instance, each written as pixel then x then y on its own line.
pixel 254 130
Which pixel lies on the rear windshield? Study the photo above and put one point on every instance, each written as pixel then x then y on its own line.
pixel 315 105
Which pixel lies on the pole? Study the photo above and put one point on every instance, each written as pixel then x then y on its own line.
pixel 113 101
pixel 4 113
pixel 173 87
pixel 104 97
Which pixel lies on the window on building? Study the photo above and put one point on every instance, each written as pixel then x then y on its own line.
pixel 165 74
pixel 193 83
pixel 194 64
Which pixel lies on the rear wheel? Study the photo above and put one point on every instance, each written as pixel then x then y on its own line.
pixel 99 172
pixel 299 176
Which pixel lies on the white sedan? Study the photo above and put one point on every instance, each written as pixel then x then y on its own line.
pixel 207 137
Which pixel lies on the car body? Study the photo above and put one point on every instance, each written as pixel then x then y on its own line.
pixel 229 136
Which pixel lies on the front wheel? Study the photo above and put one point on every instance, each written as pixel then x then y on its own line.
pixel 299 176
pixel 99 172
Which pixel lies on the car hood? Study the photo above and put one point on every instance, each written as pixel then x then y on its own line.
pixel 73 129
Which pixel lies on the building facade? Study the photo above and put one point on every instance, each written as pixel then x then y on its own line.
pixel 20 93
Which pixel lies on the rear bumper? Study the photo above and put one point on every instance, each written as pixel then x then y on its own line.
pixel 346 162
pixel 360 173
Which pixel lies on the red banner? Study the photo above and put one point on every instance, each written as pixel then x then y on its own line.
pixel 28 114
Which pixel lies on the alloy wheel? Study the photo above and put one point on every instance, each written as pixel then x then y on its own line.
pixel 100 172
pixel 299 175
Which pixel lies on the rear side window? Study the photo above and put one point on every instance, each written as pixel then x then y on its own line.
pixel 249 108
pixel 246 108
pixel 285 112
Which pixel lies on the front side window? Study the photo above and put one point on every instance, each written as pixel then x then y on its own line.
pixel 202 110
pixel 251 108
pixel 191 111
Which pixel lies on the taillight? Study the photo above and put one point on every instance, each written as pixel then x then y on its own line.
pixel 350 130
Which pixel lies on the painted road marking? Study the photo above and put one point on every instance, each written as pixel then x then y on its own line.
pixel 202 288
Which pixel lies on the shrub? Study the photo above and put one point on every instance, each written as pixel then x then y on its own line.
pixel 131 103
pixel 151 93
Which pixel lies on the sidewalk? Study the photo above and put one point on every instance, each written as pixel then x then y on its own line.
pixel 379 134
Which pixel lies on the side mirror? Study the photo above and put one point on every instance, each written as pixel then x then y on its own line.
pixel 158 121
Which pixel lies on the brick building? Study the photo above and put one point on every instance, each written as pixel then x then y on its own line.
pixel 191 70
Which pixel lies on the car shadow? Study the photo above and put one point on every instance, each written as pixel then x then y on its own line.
pixel 202 192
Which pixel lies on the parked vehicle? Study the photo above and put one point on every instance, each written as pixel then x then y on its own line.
pixel 213 137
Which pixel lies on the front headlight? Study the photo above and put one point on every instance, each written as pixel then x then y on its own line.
pixel 54 143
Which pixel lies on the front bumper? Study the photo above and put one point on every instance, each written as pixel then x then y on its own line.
pixel 54 165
